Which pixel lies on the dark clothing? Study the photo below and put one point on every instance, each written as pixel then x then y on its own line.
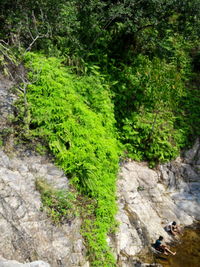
pixel 157 244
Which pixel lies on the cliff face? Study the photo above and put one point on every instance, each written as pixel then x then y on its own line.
pixel 149 199
pixel 26 232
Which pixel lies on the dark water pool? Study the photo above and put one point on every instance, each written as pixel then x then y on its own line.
pixel 187 252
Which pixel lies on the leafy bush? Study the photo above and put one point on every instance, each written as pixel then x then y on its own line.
pixel 57 203
pixel 74 115
pixel 153 140
pixel 149 97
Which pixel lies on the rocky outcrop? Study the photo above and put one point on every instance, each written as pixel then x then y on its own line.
pixel 6 100
pixel 182 178
pixel 27 234
pixel 149 199
pixel 12 263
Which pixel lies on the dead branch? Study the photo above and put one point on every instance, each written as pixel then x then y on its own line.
pixel 38 35
pixel 6 54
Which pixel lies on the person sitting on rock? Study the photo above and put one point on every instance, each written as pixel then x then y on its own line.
pixel 162 247
pixel 172 228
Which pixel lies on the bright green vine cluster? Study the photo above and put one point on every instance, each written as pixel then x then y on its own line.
pixel 75 117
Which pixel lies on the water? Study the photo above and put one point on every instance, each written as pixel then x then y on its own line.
pixel 187 252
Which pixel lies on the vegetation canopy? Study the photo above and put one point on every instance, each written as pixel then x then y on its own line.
pixel 105 80
pixel 74 115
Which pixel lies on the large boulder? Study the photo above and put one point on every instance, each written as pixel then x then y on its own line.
pixel 149 199
pixel 27 234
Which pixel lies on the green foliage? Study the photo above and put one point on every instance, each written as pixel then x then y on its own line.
pixel 1 142
pixel 74 115
pixel 152 137
pixel 59 204
pixel 188 118
pixel 5 134
pixel 41 149
pixel 89 28
pixel 93 229
pixel 138 54
pixel 149 97
pixel 8 58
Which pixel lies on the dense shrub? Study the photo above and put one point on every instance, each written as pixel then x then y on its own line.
pixel 150 107
pixel 144 49
pixel 74 115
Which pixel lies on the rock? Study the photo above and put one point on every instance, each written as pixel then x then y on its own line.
pixel 12 263
pixel 86 264
pixel 149 199
pixel 4 160
pixel 26 233
pixel 189 156
pixel 189 174
pixel 37 264
pixel 23 169
pixel 6 100
pixel 54 171
pixel 78 246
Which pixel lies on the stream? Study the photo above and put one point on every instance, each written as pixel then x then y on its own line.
pixel 187 252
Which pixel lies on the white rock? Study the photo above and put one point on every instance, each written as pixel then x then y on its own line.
pixel 148 200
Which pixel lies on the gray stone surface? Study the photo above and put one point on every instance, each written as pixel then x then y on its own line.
pixel 149 199
pixel 191 154
pixel 13 263
pixel 6 100
pixel 26 233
